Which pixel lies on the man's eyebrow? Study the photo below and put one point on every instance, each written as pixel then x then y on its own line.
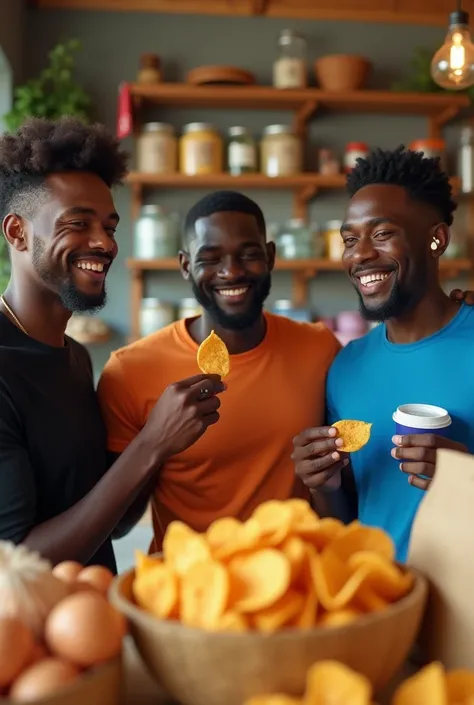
pixel 373 222
pixel 80 210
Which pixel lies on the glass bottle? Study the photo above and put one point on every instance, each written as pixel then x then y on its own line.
pixel 290 69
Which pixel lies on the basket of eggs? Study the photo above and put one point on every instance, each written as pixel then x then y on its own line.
pixel 60 638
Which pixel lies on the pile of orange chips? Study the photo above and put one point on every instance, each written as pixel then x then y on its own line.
pixel 332 683
pixel 282 568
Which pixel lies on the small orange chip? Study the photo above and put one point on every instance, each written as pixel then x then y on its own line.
pixel 426 686
pixel 333 683
pixel 355 434
pixel 213 357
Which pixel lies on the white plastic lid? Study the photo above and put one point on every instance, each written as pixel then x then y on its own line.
pixel 422 416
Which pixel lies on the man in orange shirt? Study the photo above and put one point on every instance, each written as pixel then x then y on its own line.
pixel 275 386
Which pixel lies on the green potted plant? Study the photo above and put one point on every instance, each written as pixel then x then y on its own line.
pixel 419 79
pixel 53 93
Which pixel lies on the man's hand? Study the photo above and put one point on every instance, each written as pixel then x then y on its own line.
pixel 183 413
pixel 463 296
pixel 316 455
pixel 420 452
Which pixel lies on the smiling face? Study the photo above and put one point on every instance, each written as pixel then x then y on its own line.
pixel 388 255
pixel 229 264
pixel 72 239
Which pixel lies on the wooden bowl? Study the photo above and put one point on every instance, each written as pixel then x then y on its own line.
pixel 204 668
pixel 102 685
pixel 342 72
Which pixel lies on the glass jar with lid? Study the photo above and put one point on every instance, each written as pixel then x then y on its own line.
pixel 157 149
pixel 334 241
pixel 155 314
pixel 156 234
pixel 241 152
pixel 201 149
pixel 281 151
pixel 290 68
pixel 295 240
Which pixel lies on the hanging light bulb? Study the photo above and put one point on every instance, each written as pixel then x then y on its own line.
pixel 452 66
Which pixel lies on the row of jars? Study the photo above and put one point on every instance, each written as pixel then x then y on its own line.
pixel 202 150
pixel 297 240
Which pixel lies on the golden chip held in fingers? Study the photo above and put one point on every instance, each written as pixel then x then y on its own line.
pixel 213 357
pixel 355 434
pixel 282 568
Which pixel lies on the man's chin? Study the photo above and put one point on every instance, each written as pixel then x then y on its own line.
pixel 77 301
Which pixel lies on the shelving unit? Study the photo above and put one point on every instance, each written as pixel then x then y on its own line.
pixel 439 109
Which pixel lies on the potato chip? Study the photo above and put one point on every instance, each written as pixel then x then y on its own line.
pixel 277 699
pixel 460 686
pixel 280 613
pixel 204 594
pixel 262 578
pixel 156 589
pixel 232 621
pixel 227 537
pixel 355 434
pixel 275 519
pixel 183 547
pixel 357 537
pixel 426 686
pixel 213 357
pixel 339 618
pixel 333 683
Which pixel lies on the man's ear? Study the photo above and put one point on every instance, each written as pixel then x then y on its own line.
pixel 14 229
pixel 184 264
pixel 439 240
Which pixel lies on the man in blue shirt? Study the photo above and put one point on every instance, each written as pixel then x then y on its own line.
pixel 396 229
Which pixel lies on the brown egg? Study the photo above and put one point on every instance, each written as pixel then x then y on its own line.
pixel 16 647
pixel 84 629
pixel 67 571
pixel 97 577
pixel 38 654
pixel 42 679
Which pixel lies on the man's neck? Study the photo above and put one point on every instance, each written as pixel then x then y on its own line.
pixel 236 341
pixel 39 311
pixel 431 314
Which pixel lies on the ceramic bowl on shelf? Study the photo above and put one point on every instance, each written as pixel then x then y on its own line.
pixel 342 72
pixel 196 667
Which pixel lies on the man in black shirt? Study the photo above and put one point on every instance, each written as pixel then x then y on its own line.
pixel 59 219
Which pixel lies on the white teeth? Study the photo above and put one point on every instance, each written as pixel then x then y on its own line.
pixel 233 292
pixel 94 266
pixel 372 278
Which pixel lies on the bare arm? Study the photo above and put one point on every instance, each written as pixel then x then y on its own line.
pixel 340 504
pixel 138 507
pixel 179 418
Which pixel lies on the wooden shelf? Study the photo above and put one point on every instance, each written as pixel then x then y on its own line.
pixel 311 182
pixel 245 181
pixel 422 12
pixel 442 106
pixel 297 265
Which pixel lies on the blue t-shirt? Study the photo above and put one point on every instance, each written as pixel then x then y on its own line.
pixel 369 379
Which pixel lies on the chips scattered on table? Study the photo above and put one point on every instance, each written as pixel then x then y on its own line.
pixel 355 434
pixel 283 568
pixel 213 357
pixel 332 683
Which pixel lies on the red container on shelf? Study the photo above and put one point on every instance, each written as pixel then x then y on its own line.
pixel 354 151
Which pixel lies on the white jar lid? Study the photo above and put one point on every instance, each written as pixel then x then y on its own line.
pixel 422 416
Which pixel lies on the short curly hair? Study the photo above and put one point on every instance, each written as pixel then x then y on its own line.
pixel 421 176
pixel 42 147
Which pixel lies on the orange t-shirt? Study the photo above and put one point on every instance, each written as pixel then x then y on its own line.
pixel 273 392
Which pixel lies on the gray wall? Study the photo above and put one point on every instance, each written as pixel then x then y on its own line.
pixel 113 43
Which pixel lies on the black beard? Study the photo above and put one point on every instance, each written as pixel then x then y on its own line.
pixel 72 298
pixel 239 321
pixel 400 301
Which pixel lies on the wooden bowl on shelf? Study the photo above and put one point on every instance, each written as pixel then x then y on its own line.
pixel 197 667
pixel 342 72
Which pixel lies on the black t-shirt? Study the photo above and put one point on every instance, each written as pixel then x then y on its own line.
pixel 52 437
